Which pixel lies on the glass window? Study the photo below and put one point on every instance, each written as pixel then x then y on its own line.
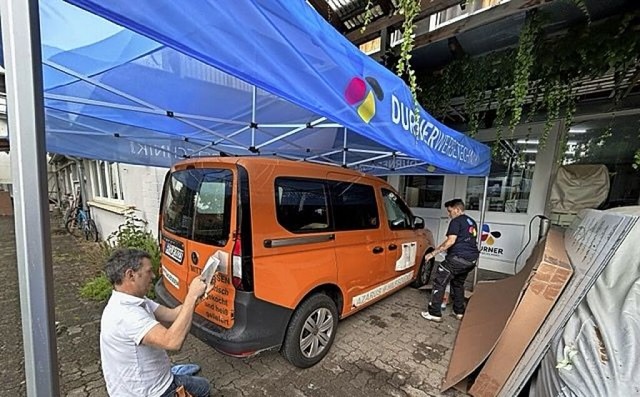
pixel 424 191
pixel 197 205
pixel 613 143
pixel 106 181
pixel 398 214
pixel 213 207
pixel 302 205
pixel 509 181
pixel 354 206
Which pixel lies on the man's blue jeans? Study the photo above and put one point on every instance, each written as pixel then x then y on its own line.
pixel 195 385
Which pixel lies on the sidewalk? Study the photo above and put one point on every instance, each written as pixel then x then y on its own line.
pixel 387 349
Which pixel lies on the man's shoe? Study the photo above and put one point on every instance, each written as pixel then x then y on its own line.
pixel 459 316
pixel 430 317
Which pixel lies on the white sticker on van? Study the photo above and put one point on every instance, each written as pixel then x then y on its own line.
pixel 408 257
pixel 381 290
pixel 170 277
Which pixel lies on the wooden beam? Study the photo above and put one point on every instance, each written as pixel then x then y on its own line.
pixel 427 8
pixel 323 8
pixel 491 15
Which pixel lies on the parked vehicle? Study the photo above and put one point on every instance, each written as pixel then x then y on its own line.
pixel 298 245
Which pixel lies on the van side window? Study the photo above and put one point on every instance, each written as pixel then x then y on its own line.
pixel 302 205
pixel 398 214
pixel 197 205
pixel 354 206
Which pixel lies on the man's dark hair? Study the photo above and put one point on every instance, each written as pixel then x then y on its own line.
pixel 458 203
pixel 122 260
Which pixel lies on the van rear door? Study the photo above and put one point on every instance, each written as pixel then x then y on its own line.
pixel 198 220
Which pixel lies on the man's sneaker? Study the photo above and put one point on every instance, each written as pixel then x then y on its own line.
pixel 430 317
pixel 458 316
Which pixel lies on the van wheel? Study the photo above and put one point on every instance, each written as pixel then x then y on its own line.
pixel 424 274
pixel 311 331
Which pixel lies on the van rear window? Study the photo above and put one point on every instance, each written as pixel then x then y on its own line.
pixel 197 205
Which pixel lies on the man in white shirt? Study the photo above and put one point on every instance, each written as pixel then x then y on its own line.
pixel 133 343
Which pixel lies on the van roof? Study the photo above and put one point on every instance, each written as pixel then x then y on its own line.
pixel 260 161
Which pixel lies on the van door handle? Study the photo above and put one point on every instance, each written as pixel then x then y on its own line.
pixel 392 247
pixel 378 250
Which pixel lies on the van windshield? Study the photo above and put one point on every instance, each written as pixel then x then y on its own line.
pixel 197 205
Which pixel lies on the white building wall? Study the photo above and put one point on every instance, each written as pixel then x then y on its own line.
pixel 142 189
pixel 5 168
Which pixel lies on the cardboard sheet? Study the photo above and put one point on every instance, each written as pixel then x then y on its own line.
pixel 591 243
pixel 540 295
pixel 487 314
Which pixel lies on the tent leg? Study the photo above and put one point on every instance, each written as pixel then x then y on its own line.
pixel 25 110
pixel 482 216
pixel 344 148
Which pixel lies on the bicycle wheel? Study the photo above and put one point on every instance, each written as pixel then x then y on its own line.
pixel 73 228
pixel 90 230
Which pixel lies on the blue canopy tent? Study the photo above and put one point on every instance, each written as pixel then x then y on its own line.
pixel 179 79
pixel 162 80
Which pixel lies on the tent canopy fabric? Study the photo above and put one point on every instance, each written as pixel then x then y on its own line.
pixel 162 80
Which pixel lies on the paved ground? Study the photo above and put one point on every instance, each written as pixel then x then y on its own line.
pixel 386 349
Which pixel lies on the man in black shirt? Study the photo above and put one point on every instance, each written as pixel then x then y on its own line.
pixel 462 255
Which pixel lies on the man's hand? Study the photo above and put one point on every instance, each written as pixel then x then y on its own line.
pixel 196 288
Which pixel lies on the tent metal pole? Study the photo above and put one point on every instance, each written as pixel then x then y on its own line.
pixel 253 116
pixel 292 132
pixel 344 148
pixel 382 156
pixel 482 216
pixel 25 111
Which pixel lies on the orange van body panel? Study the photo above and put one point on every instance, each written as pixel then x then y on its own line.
pixel 285 275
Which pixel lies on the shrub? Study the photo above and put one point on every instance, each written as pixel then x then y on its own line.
pixel 132 233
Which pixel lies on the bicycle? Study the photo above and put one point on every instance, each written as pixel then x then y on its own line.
pixel 81 224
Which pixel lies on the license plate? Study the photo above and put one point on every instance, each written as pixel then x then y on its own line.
pixel 174 250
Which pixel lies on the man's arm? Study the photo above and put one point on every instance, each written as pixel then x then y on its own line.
pixel 173 337
pixel 167 315
pixel 451 239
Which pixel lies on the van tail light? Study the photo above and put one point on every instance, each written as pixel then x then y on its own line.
pixel 236 263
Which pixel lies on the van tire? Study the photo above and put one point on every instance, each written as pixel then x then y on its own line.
pixel 424 273
pixel 317 306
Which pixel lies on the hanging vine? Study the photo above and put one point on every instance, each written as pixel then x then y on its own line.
pixel 539 77
pixel 368 15
pixel 410 9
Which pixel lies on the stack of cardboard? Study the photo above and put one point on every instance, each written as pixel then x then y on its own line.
pixel 504 316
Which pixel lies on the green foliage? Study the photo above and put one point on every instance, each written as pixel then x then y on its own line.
pixel 97 289
pixel 132 233
pixel 538 73
pixel 410 9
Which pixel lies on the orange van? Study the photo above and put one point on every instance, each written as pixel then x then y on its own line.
pixel 297 245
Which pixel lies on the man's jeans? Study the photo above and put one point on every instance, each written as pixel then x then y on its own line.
pixel 454 271
pixel 195 385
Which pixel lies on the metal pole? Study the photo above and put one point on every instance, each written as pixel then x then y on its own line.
pixel 483 212
pixel 25 111
pixel 253 116
pixel 344 148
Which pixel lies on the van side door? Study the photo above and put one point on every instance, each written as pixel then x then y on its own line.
pixel 360 252
pixel 405 246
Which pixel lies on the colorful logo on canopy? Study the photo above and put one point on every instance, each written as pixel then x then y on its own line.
pixel 363 94
pixel 488 236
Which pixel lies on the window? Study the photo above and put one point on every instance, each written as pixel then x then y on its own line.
pixel 105 180
pixel 424 191
pixel 613 143
pixel 509 181
pixel 197 205
pixel 354 206
pixel 302 205
pixel 398 214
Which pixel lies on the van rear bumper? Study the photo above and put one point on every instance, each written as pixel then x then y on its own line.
pixel 258 325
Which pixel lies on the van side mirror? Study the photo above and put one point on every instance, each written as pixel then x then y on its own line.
pixel 418 223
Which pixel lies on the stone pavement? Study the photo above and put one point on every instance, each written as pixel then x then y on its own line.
pixel 385 350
